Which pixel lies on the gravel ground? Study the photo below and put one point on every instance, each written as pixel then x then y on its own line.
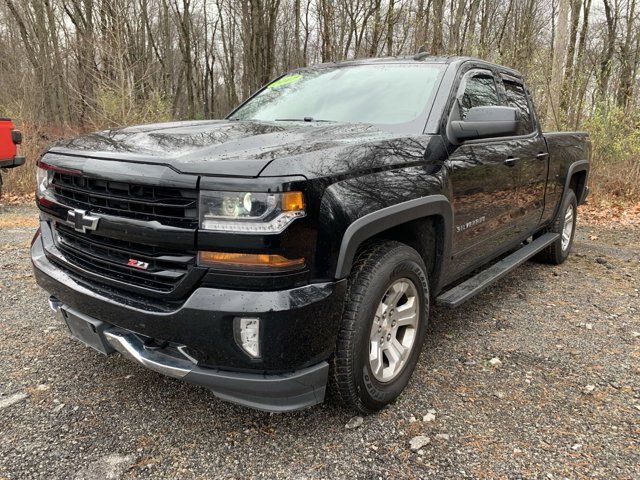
pixel 561 401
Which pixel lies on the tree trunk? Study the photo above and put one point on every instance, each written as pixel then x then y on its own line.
pixel 607 56
pixel 559 56
pixel 437 45
pixel 390 23
pixel 567 84
pixel 627 59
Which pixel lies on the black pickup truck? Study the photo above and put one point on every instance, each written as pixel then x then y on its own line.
pixel 300 242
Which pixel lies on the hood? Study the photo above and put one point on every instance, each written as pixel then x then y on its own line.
pixel 218 147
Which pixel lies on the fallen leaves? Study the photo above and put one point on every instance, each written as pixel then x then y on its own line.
pixel 17 199
pixel 610 212
pixel 18 221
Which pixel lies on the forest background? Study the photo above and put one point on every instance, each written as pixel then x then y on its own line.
pixel 72 66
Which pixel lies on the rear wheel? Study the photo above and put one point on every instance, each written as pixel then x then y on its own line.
pixel 565 225
pixel 383 326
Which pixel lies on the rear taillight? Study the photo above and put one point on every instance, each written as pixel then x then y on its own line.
pixel 16 136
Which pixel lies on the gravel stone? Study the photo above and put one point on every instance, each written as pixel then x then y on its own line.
pixel 429 417
pixel 12 400
pixel 354 422
pixel 416 443
pixel 110 467
pixel 495 362
pixel 169 429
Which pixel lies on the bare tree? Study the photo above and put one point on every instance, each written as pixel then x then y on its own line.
pixel 101 62
pixel 559 56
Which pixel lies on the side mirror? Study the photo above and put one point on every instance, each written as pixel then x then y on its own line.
pixel 486 122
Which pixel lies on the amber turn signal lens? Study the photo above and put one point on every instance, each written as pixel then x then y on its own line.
pixel 221 259
pixel 292 201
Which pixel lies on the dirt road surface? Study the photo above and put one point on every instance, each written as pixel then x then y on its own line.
pixel 561 401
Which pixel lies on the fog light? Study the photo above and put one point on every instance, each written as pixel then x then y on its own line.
pixel 247 334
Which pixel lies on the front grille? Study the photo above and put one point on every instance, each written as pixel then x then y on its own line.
pixel 107 258
pixel 168 205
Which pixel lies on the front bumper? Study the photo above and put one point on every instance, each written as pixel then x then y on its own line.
pixel 298 333
pixel 273 393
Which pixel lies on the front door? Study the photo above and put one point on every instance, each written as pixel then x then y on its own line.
pixel 484 177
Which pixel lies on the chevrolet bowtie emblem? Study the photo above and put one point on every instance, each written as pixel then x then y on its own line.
pixel 81 221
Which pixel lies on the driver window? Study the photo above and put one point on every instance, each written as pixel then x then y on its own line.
pixel 478 90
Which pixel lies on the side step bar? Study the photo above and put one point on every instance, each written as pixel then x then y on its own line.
pixel 482 280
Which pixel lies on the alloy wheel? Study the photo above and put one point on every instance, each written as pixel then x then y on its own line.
pixel 567 228
pixel 394 329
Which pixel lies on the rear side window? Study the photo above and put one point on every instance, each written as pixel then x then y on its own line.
pixel 517 98
pixel 479 91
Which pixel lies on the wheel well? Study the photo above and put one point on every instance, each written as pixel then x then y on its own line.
pixel 425 235
pixel 577 183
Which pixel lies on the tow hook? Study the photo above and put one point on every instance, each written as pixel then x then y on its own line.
pixel 54 304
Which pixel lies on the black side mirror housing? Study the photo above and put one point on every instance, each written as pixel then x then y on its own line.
pixel 486 122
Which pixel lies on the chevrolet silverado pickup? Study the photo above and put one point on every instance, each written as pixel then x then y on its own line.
pixel 10 138
pixel 296 247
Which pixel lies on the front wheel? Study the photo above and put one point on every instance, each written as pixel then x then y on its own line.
pixel 383 326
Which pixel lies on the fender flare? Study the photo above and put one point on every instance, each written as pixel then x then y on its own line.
pixel 375 222
pixel 577 166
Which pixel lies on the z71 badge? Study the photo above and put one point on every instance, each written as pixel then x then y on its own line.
pixel 137 264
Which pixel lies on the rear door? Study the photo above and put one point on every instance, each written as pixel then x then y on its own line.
pixel 531 159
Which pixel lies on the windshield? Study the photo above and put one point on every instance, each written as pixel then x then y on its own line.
pixel 386 94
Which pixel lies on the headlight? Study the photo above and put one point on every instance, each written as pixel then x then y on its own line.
pixel 249 212
pixel 43 179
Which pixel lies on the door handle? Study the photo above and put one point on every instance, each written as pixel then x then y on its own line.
pixel 511 161
pixel 542 156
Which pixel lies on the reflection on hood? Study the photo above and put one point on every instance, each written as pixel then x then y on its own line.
pixel 220 147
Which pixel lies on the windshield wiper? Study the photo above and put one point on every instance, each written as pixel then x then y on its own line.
pixel 304 119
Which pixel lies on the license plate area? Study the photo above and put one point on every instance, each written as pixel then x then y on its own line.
pixel 88 330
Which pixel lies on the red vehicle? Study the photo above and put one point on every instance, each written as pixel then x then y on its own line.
pixel 10 138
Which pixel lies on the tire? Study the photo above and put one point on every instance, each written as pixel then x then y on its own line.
pixel 558 251
pixel 380 273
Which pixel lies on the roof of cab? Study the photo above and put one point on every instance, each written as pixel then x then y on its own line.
pixel 420 57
